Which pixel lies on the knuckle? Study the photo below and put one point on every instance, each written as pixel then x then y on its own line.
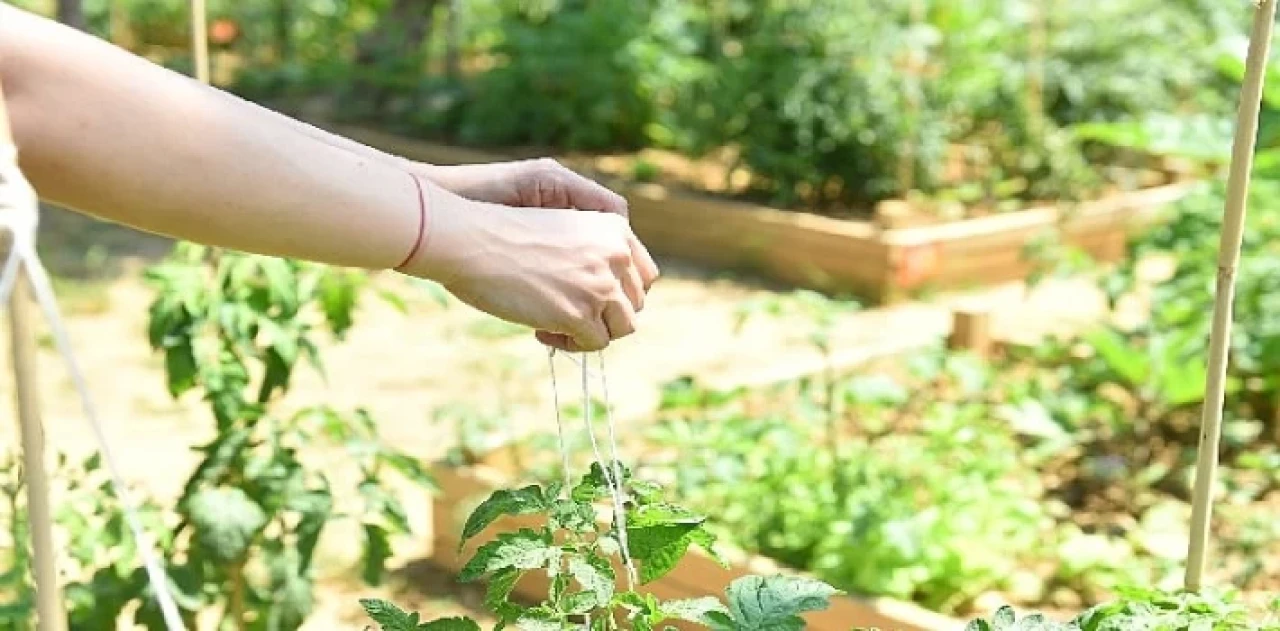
pixel 619 256
pixel 548 165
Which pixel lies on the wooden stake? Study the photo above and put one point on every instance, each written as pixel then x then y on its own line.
pixel 1228 260
pixel 971 330
pixel 200 40
pixel 49 611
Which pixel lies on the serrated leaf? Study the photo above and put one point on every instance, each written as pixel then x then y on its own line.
pixel 388 616
pixel 573 516
pixel 773 603
pixel 596 577
pixel 504 502
pixel 498 593
pixel 595 486
pixel 693 609
pixel 451 624
pixel 226 520
pixel 524 549
pixel 658 536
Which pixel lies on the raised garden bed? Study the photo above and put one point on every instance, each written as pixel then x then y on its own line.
pixel 878 261
pixel 1048 483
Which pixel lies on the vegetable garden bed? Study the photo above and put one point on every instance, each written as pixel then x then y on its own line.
pixel 871 259
pixel 965 483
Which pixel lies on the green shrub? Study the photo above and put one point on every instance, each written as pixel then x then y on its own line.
pixel 582 75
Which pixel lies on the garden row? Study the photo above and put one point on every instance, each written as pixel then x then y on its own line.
pixel 941 484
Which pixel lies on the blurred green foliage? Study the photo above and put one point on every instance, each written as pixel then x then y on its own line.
pixel 826 104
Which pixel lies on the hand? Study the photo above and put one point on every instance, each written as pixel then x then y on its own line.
pixel 578 278
pixel 542 183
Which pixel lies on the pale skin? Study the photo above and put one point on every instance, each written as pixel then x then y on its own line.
pixel 107 133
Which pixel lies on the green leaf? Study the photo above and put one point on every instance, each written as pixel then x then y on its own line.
pixel 574 516
pixel 773 603
pixel 1004 619
pixel 658 536
pixel 498 593
pixel 377 549
pixel 180 368
pixel 596 577
pixel 292 593
pixel 504 502
pixel 391 618
pixel 1128 363
pixel 409 467
pixel 451 624
pixel 541 620
pixel 693 609
pixel 226 520
pixel 314 508
pixel 594 486
pixel 338 300
pixel 523 550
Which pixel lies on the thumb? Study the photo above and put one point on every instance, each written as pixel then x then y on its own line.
pixel 589 337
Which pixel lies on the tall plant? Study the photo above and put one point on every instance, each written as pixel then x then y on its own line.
pixel 241 540
pixel 234 327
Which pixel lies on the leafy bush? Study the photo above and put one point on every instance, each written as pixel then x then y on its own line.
pixel 581 75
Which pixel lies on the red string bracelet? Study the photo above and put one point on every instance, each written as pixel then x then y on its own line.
pixel 422 224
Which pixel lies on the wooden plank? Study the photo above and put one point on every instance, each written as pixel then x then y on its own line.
pixel 1135 203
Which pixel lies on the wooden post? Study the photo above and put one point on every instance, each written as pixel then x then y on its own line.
pixel 971 330
pixel 49 611
pixel 200 40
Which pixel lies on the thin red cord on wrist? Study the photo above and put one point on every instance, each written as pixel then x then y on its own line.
pixel 422 225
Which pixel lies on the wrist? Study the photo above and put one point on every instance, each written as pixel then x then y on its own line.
pixel 433 255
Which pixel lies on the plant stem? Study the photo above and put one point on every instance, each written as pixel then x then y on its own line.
pixel 1228 261
pixel 235 602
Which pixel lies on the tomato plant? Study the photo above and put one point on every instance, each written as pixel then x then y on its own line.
pixel 241 540
pixel 579 555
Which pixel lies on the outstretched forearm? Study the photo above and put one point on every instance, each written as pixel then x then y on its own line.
pixel 113 135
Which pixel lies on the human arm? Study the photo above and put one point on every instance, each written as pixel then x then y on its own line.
pixel 110 134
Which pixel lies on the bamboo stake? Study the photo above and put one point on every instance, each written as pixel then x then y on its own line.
pixel 1228 261
pixel 200 40
pixel 50 615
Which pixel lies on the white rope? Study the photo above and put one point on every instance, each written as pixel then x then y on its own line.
pixel 21 220
pixel 613 470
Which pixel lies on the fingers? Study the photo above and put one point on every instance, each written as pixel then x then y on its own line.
pixel 561 187
pixel 589 336
pixel 619 318
pixel 616 322
pixel 644 265
pixel 632 282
